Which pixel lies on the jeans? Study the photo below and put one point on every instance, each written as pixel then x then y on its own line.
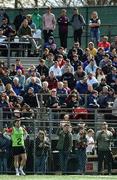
pixel 81 155
pixel 95 35
pixel 41 163
pixel 63 157
pixel 3 164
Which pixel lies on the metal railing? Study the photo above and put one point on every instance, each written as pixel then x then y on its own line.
pixel 44 121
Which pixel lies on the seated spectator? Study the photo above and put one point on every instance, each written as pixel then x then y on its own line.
pixel 114 86
pixel 114 61
pixel 92 49
pixel 52 81
pixel 92 100
pixel 75 49
pixel 61 93
pixel 27 112
pixel 36 76
pixel 79 74
pixel 2 87
pixel 91 80
pixel 4 76
pixel 31 23
pixel 8 31
pixel 111 97
pixel 100 55
pixel 86 54
pixel 104 44
pixel 3 46
pixel 45 53
pixel 42 69
pixel 101 85
pixel 18 89
pixel 56 70
pixel 44 93
pixel 99 74
pixel 114 44
pixel 13 71
pixel 19 66
pixel 87 61
pixel 30 98
pixel 65 85
pixel 82 86
pixel 13 99
pixel 73 102
pixel 21 78
pixel 65 120
pixel 112 53
pixel 76 62
pixel 25 33
pixel 91 67
pixel 111 76
pixel 114 108
pixel 34 85
pixel 8 89
pixel 103 97
pixel 66 65
pixel 104 61
pixel 60 60
pixel 49 60
pixel 51 45
pixel 31 69
pixel 69 77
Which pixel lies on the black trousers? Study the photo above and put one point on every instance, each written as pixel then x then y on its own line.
pixel 78 35
pixel 104 156
pixel 47 34
pixel 63 38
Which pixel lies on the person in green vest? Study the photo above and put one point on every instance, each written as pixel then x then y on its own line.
pixel 18 135
pixel 37 18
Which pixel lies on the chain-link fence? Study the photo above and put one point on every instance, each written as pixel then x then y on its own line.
pixel 57 152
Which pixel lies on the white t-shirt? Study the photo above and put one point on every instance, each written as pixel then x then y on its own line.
pixel 90 147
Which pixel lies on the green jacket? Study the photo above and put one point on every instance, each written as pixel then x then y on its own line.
pixel 60 144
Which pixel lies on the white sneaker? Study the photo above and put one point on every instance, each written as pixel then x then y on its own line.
pixel 17 174
pixel 22 172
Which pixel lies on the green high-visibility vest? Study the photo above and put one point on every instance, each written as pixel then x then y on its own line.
pixel 17 137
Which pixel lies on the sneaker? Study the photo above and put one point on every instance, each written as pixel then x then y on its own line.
pixel 22 172
pixel 17 174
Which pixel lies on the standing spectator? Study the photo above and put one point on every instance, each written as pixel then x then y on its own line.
pixel 90 142
pixel 64 146
pixel 3 14
pixel 104 139
pixel 18 134
pixel 49 24
pixel 19 19
pixel 37 18
pixel 63 22
pixel 4 153
pixel 77 22
pixel 42 147
pixel 94 25
pixel 81 144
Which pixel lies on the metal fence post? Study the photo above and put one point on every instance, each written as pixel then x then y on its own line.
pixel 1 119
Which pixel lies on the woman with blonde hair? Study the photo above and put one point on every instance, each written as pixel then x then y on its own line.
pixel 42 147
